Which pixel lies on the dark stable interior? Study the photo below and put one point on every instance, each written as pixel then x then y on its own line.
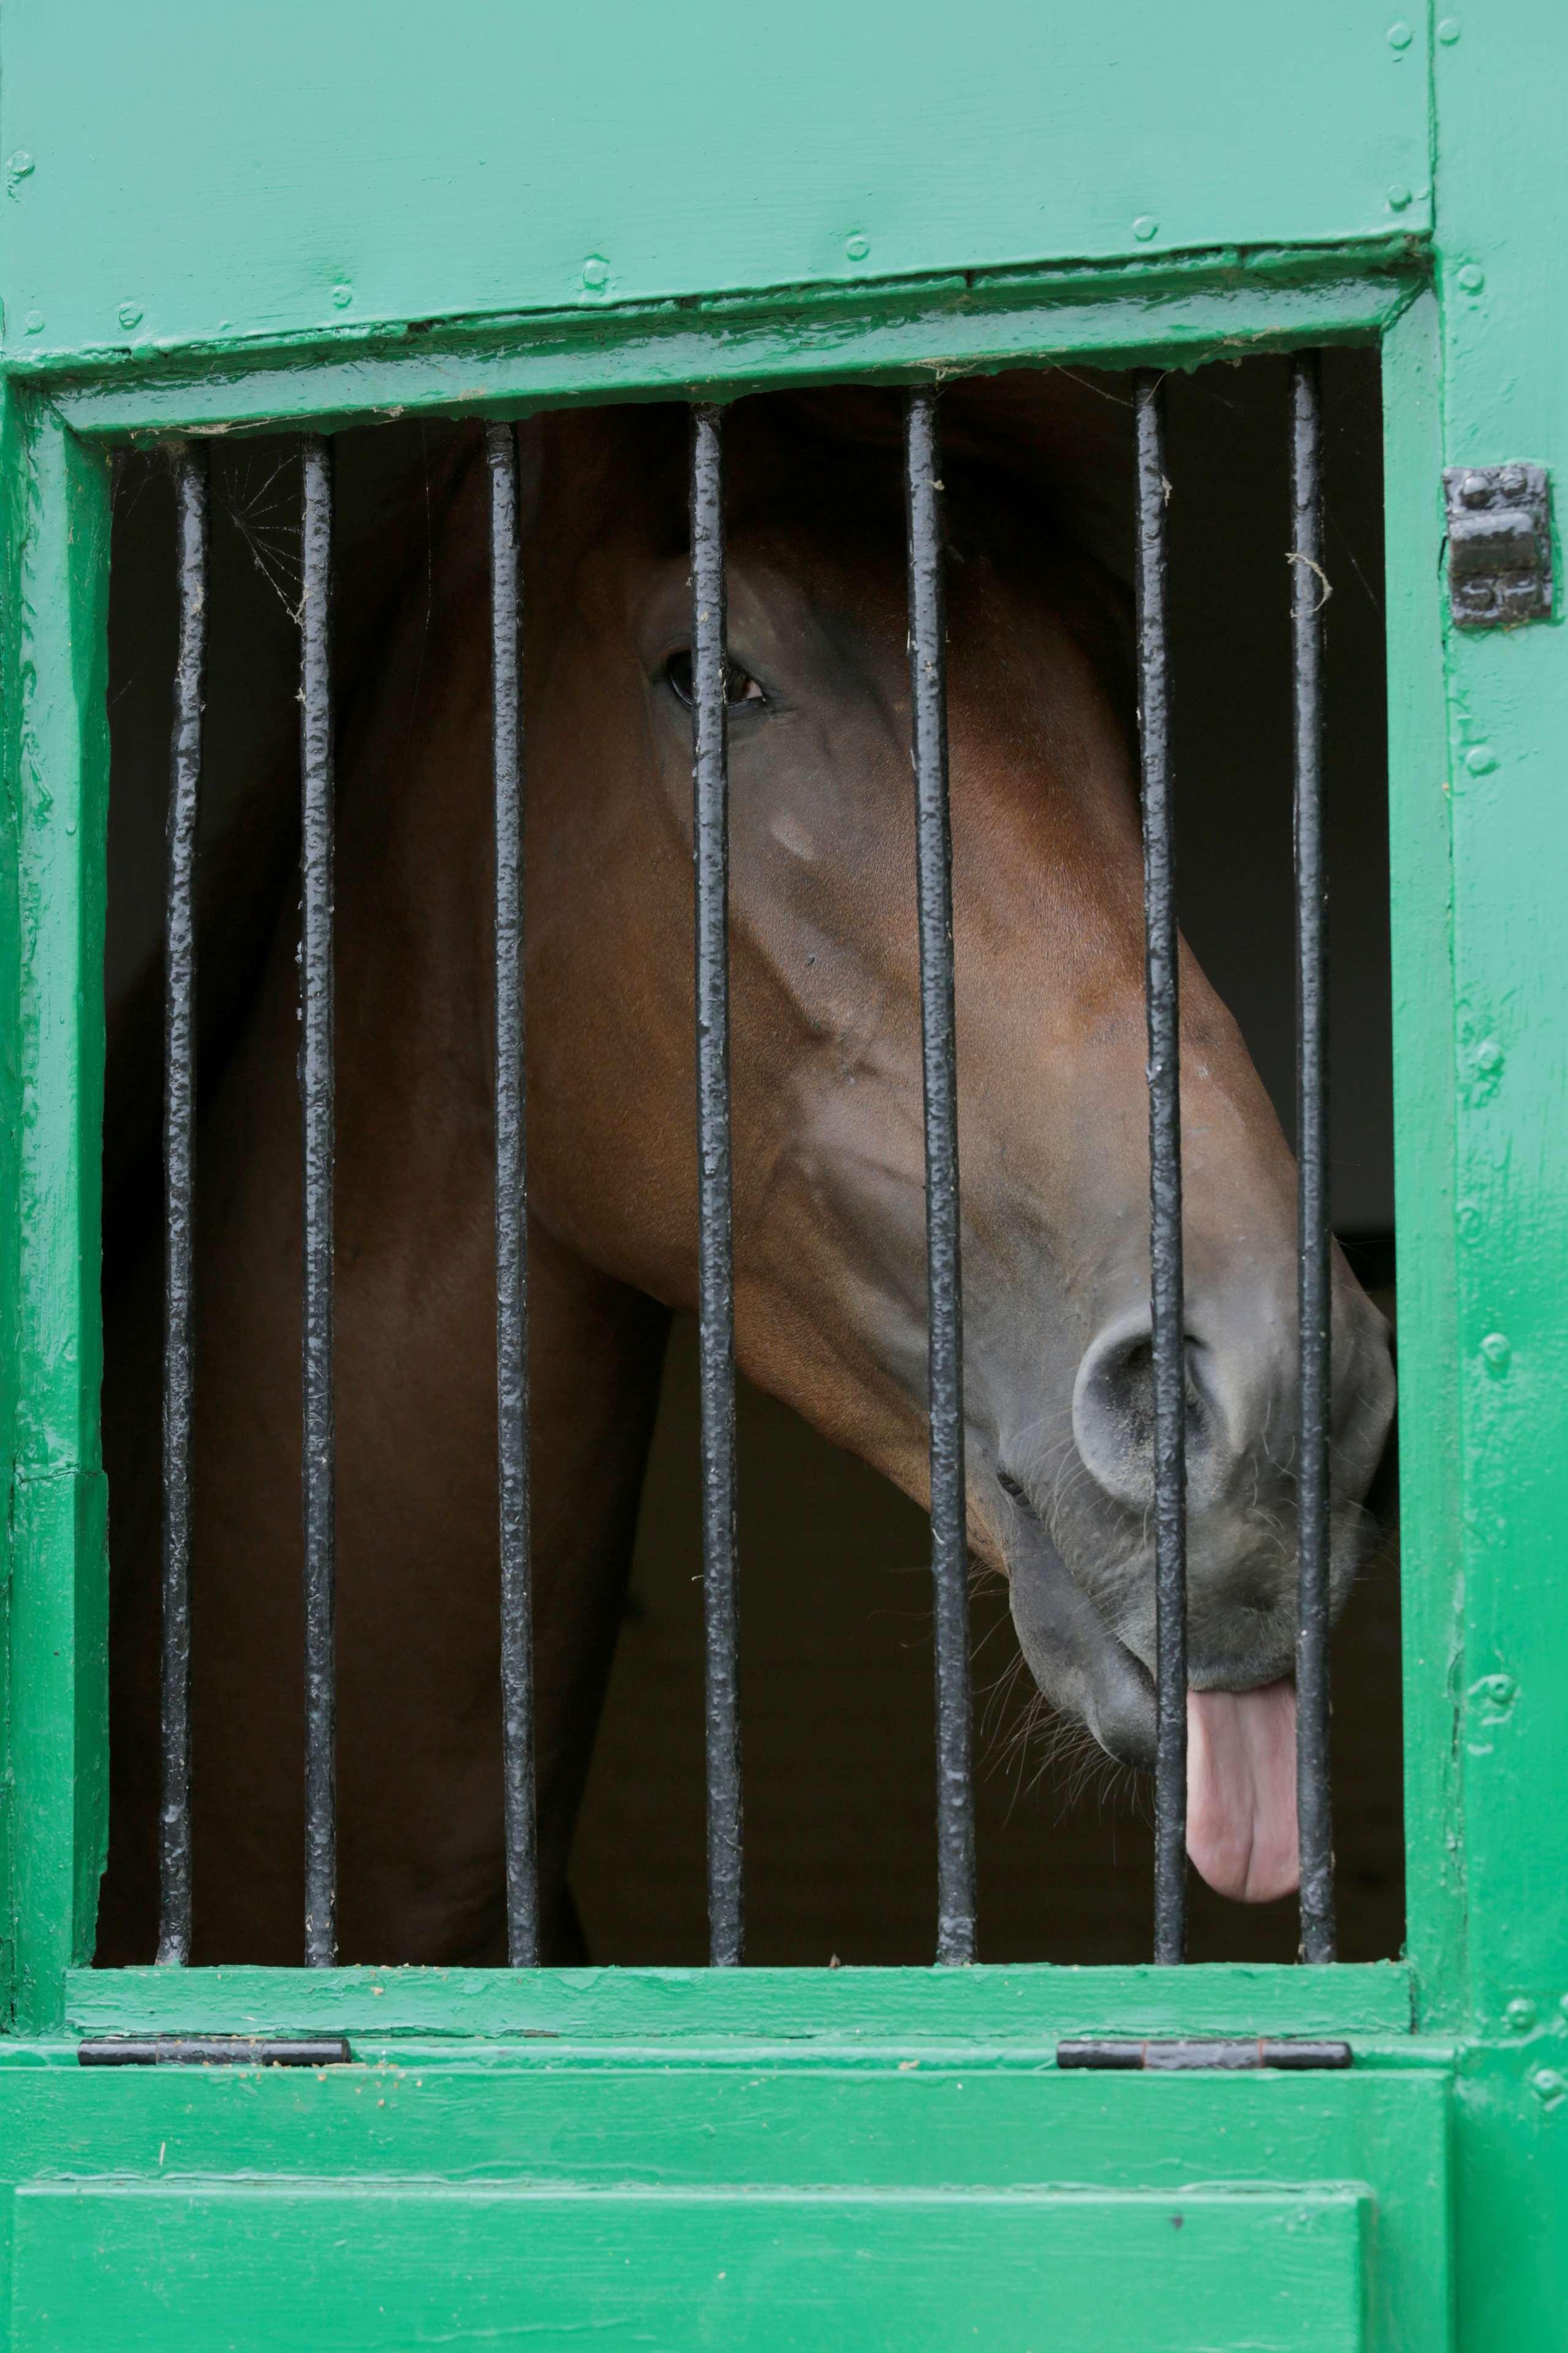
pixel 836 1642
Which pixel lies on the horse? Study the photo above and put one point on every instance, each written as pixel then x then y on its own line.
pixel 827 1166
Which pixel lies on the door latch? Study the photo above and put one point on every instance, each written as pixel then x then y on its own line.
pixel 1500 545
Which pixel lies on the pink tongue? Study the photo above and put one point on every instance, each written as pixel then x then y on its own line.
pixel 1241 1790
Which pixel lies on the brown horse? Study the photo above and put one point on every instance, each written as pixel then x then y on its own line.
pixel 828 1171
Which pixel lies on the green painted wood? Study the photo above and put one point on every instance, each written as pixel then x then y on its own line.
pixel 1177 314
pixel 1034 2005
pixel 366 163
pixel 1510 2160
pixel 62 820
pixel 11 518
pixel 1421 923
pixel 59 1695
pixel 995 179
pixel 12 523
pixel 1178 311
pixel 544 2122
pixel 1503 290
pixel 251 2269
pixel 927 2120
pixel 59 1602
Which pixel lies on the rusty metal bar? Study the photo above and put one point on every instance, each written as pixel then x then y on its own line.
pixel 716 1284
pixel 511 1211
pixel 215 2051
pixel 1167 1304
pixel 179 1197
pixel 317 1090
pixel 1228 2054
pixel 933 841
pixel 1314 1812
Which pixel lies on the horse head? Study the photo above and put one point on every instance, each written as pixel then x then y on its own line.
pixel 828 1168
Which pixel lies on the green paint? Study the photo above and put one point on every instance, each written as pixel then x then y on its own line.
pixel 1176 312
pixel 58 1612
pixel 1179 316
pixel 62 809
pixel 59 1696
pixel 1502 289
pixel 154 2270
pixel 537 206
pixel 695 2144
pixel 1032 2006
pixel 368 163
pixel 1421 939
pixel 11 530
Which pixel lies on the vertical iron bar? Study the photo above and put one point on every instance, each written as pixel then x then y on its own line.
pixel 179 1194
pixel 317 1099
pixel 1167 1305
pixel 511 1213
pixel 1313 1813
pixel 949 1516
pixel 715 1302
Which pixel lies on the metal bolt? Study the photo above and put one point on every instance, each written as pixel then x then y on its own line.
pixel 1144 227
pixel 1481 761
pixel 1488 1055
pixel 858 246
pixel 1496 1351
pixel 130 314
pixel 595 272
pixel 342 296
pixel 1520 2014
pixel 1399 35
pixel 33 324
pixel 1449 31
pixel 1398 197
pixel 1472 276
pixel 1549 2086
pixel 20 165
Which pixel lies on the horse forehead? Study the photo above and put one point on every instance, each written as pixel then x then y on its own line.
pixel 820 558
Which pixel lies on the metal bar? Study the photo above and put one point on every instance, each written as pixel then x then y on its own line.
pixel 179 1199
pixel 944 1296
pixel 316 1090
pixel 1225 2054
pixel 215 2051
pixel 1314 1817
pixel 1167 1305
pixel 715 1236
pixel 511 1213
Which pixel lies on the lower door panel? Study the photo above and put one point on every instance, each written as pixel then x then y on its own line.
pixel 298 2268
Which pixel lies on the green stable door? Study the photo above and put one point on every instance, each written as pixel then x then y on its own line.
pixel 221 221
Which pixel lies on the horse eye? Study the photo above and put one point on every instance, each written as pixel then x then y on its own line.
pixel 740 686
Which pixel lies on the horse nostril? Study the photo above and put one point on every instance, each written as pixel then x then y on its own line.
pixel 1113 1409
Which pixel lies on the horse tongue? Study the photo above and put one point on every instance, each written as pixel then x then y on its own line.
pixel 1241 1790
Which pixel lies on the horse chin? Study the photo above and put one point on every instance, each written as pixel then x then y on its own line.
pixel 1073 1655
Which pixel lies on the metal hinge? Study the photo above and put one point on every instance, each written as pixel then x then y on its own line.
pixel 1500 545
pixel 1228 2053
pixel 216 2050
